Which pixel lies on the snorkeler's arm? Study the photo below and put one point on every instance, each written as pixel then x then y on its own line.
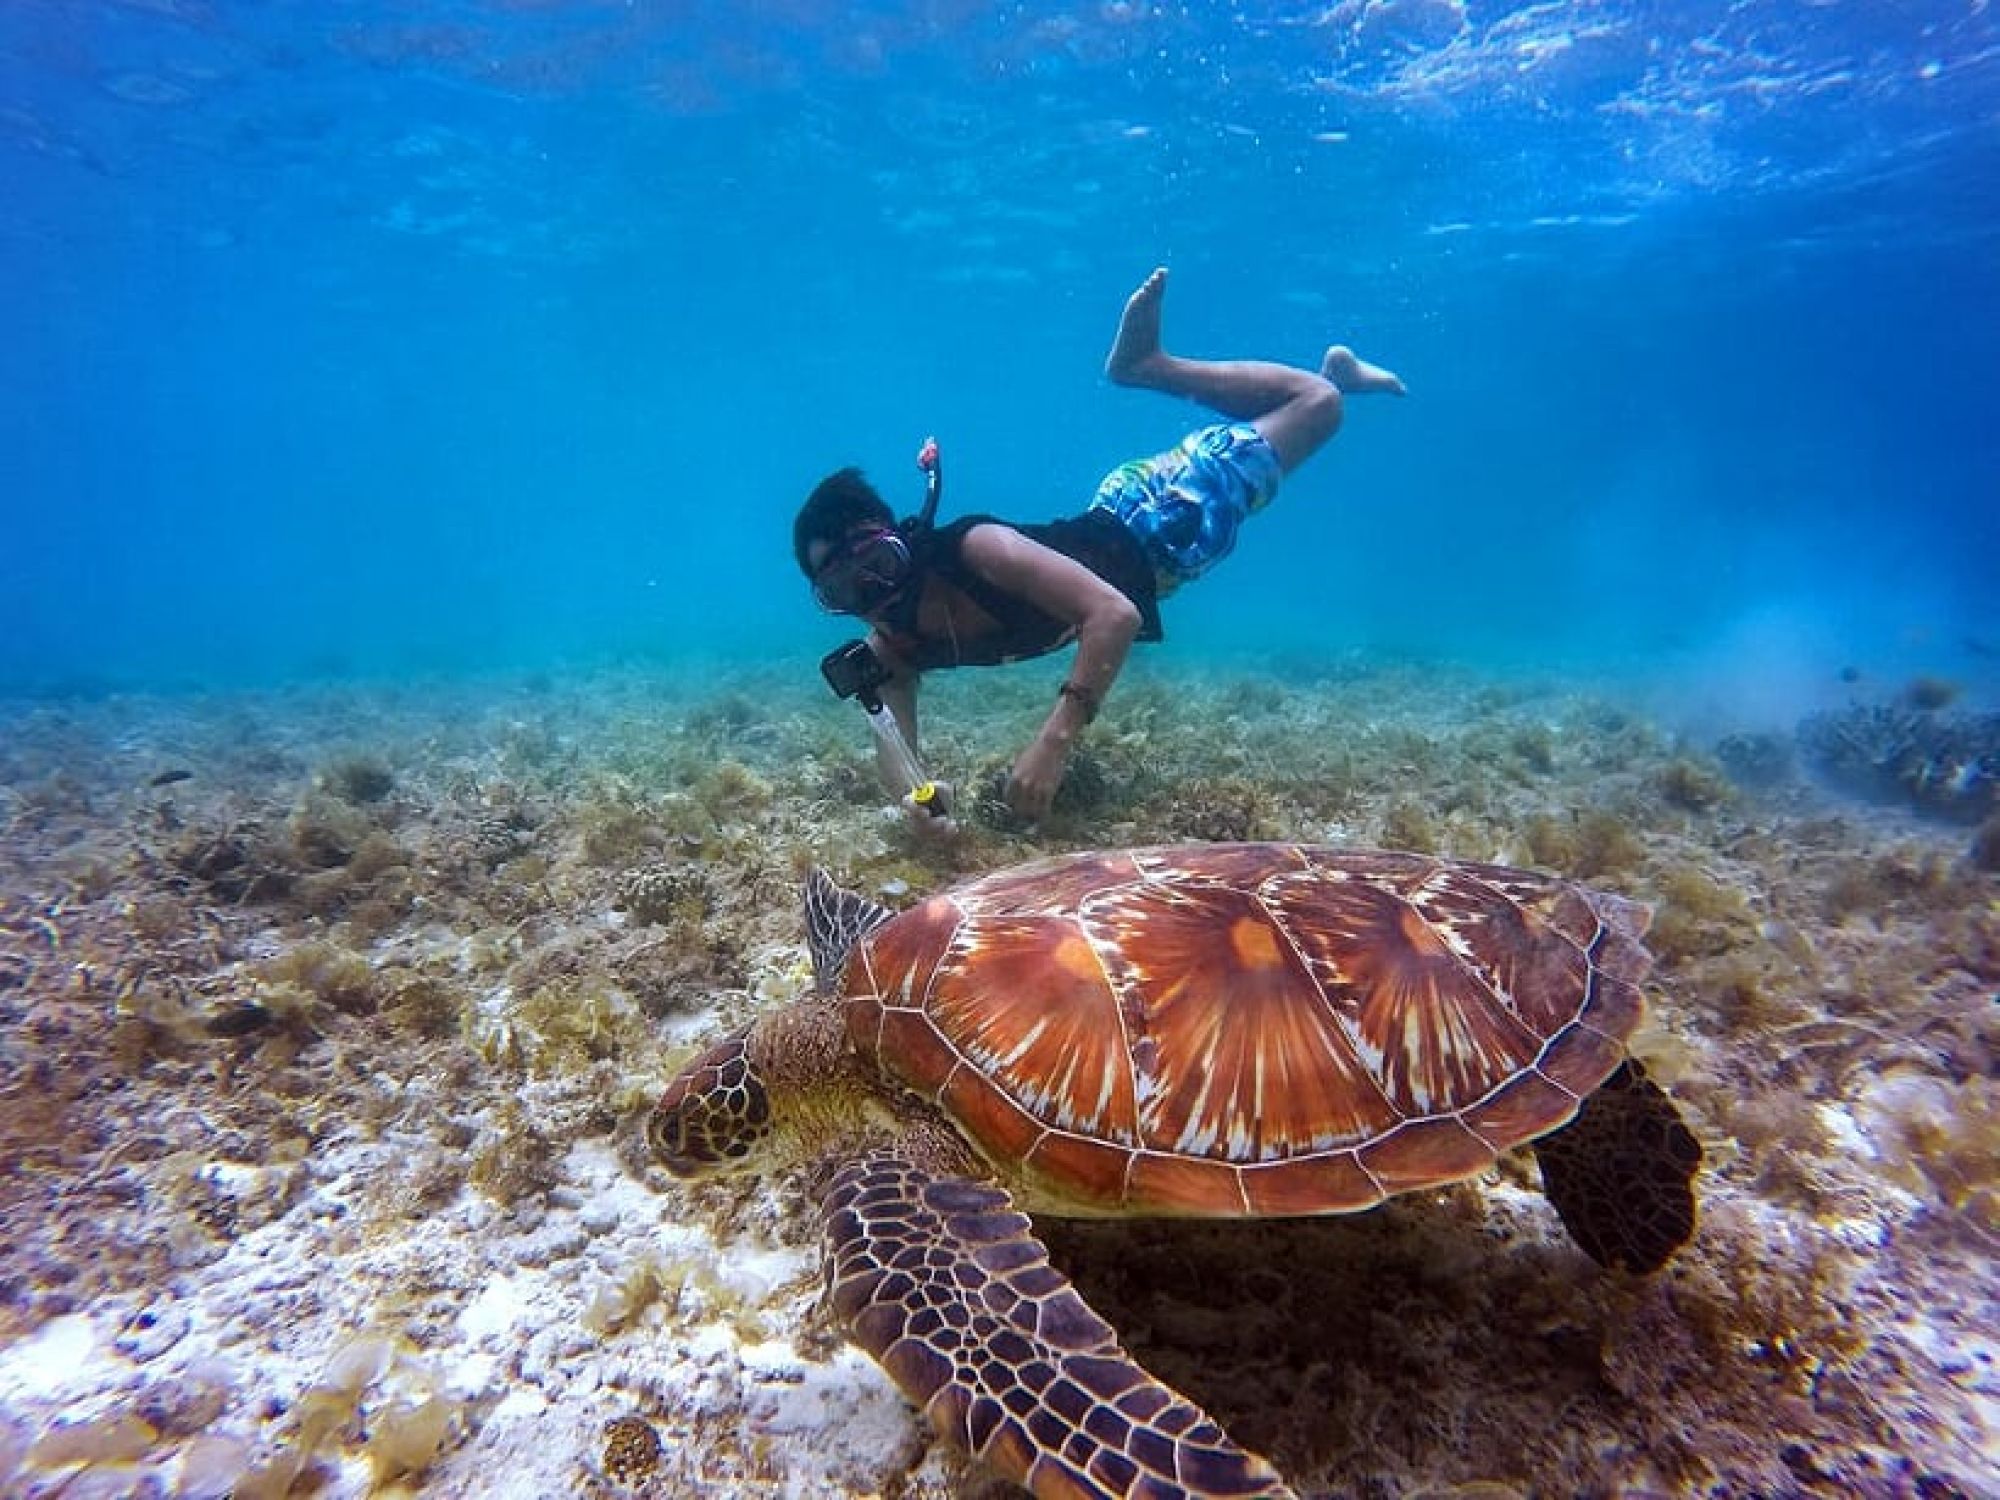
pixel 1105 621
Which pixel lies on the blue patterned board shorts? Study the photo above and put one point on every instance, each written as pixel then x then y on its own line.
pixel 1185 505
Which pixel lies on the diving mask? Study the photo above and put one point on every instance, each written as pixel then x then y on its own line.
pixel 862 573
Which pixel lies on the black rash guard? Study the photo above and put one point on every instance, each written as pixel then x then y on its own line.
pixel 1096 539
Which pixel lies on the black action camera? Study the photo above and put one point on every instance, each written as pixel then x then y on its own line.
pixel 854 671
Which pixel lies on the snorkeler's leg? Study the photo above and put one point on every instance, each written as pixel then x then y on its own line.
pixel 1356 377
pixel 1295 410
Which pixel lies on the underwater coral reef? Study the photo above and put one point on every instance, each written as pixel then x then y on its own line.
pixel 1942 762
pixel 330 1018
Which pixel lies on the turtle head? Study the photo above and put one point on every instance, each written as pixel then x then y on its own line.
pixel 715 1115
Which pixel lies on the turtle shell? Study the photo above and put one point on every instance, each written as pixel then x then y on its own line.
pixel 1249 1029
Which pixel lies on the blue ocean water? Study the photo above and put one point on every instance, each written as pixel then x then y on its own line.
pixel 384 339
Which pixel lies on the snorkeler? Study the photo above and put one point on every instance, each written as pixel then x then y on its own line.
pixel 982 591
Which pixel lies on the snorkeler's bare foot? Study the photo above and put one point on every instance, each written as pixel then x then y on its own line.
pixel 1356 377
pixel 1135 352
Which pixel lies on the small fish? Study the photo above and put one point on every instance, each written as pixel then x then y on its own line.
pixel 168 778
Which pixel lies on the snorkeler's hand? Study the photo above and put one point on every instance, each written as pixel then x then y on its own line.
pixel 931 817
pixel 1038 771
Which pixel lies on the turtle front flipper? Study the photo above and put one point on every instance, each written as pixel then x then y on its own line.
pixel 1621 1173
pixel 945 1284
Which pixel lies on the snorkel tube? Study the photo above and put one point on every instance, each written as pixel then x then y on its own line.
pixel 933 467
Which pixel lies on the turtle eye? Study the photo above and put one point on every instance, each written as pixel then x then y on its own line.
pixel 713 1116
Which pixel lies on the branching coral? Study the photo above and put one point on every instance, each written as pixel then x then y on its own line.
pixel 1942 763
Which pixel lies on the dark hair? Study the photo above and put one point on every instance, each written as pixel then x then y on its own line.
pixel 841 502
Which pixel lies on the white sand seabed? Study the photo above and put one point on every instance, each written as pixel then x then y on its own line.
pixel 503 1337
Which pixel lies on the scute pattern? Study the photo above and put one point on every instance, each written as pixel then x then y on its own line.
pixel 1055 886
pixel 1250 1028
pixel 1417 995
pixel 1258 1078
pixel 1057 1047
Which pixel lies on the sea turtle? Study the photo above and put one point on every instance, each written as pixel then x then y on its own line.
pixel 1216 1030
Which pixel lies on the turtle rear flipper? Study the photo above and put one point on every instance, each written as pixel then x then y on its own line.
pixel 1621 1173
pixel 945 1284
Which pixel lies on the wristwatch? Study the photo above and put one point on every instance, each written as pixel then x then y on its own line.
pixel 1083 697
